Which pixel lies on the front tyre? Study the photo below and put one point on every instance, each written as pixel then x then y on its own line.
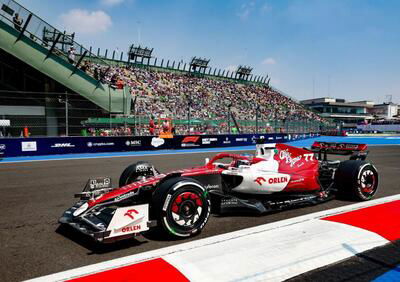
pixel 357 180
pixel 137 171
pixel 182 207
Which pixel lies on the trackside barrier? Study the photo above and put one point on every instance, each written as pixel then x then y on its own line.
pixel 15 147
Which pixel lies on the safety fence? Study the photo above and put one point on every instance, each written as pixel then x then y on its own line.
pixel 15 147
pixel 33 114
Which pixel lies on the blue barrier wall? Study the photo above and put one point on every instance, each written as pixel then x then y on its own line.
pixel 15 147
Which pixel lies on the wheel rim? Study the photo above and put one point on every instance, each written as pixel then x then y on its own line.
pixel 367 182
pixel 186 209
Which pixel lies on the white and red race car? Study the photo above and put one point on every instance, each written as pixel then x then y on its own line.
pixel 180 202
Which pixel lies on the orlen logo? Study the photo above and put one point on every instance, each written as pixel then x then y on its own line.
pixel 190 139
pixel 130 212
pixel 276 180
pixel 260 180
pixel 131 228
pixel 272 180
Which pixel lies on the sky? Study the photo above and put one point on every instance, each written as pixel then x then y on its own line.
pixel 310 48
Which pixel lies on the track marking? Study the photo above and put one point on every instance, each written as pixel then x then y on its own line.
pixel 278 250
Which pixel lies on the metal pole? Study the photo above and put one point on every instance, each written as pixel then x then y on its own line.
pixel 188 117
pixel 125 107
pixel 229 119
pixel 66 115
pixel 257 118
pixel 109 106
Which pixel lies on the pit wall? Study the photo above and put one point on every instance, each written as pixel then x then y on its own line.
pixel 17 147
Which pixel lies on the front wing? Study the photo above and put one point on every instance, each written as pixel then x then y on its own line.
pixel 109 224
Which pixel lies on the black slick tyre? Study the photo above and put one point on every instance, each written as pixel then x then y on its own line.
pixel 136 172
pixel 356 180
pixel 181 206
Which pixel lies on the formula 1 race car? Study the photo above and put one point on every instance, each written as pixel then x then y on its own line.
pixel 180 202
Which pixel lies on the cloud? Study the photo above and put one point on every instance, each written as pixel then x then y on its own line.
pixel 111 2
pixel 231 68
pixel 86 22
pixel 269 61
pixel 265 8
pixel 245 10
pixel 249 7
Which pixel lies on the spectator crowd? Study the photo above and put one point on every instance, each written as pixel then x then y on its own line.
pixel 173 94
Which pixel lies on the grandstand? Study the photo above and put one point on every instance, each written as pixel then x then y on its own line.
pixel 79 89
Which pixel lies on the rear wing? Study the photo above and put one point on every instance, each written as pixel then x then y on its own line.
pixel 357 151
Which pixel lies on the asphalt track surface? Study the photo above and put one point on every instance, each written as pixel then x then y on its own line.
pixel 35 194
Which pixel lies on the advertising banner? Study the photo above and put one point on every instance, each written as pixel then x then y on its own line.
pixel 14 147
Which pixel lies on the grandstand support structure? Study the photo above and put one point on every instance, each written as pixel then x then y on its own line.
pixel 51 36
pixel 138 54
pixel 198 65
pixel 26 43
pixel 243 72
pixel 189 105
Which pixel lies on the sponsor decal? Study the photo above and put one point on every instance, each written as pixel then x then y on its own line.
pixel 131 228
pixel 278 137
pixel 241 139
pixel 157 142
pixel 126 220
pixel 289 136
pixel 142 168
pixel 260 180
pixel 275 180
pixel 270 138
pixel 166 203
pixel 2 147
pixel 226 202
pixel 340 146
pixel 206 141
pixel 227 141
pixel 133 143
pixel 30 146
pixel 190 141
pixel 287 157
pixel 100 144
pixel 209 186
pixel 308 157
pixel 130 212
pixel 100 183
pixel 253 139
pixel 63 145
pixel 124 196
pixel 297 180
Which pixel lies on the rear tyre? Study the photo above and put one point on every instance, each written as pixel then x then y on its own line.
pixel 356 180
pixel 181 206
pixel 136 172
